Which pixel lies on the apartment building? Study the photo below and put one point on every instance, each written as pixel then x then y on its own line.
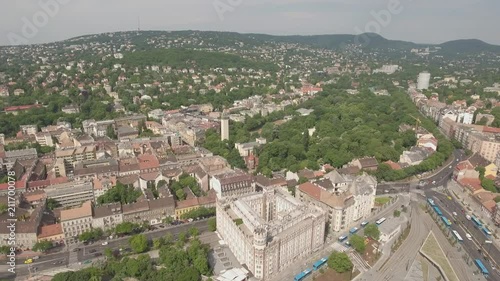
pixel 71 194
pixel 232 183
pixel 97 128
pixel 345 198
pixel 270 231
pixel 44 139
pixel 74 155
pixel 107 216
pixel 76 221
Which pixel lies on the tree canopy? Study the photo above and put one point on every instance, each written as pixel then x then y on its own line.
pixel 120 193
pixel 371 230
pixel 340 262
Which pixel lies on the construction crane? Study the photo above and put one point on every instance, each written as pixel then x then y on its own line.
pixel 418 122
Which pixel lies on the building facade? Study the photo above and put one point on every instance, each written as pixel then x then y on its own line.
pixel 76 221
pixel 269 231
pixel 71 194
pixel 346 199
pixel 233 183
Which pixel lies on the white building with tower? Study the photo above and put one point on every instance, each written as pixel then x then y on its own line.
pixel 423 81
pixel 224 127
pixel 269 231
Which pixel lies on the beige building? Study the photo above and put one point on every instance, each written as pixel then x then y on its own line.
pixel 107 216
pixel 71 194
pixel 76 221
pixel 232 183
pixel 346 199
pixel 270 231
pixel 74 155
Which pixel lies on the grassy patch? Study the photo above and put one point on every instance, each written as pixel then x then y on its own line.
pixel 331 275
pixel 432 249
pixel 382 200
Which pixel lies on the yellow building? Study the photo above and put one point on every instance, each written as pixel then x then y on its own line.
pixel 491 170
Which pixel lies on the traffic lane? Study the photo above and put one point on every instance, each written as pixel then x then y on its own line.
pixel 454 206
pixel 450 206
pixel 91 250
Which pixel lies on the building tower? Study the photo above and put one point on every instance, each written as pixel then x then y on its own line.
pixel 423 81
pixel 224 127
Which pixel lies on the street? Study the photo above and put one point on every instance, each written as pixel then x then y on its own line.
pixel 70 258
pixel 463 226
pixel 438 179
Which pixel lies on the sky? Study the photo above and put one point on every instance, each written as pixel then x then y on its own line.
pixel 419 21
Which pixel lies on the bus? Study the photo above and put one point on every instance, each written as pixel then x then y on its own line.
pixel 319 263
pixel 481 266
pixel 380 221
pixel 353 230
pixel 342 238
pixel 431 202
pixel 486 231
pixel 459 238
pixel 476 222
pixel 446 221
pixel 301 276
pixel 438 211
pixel 363 224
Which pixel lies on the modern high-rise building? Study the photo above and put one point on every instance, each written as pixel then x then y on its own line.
pixel 224 127
pixel 423 81
pixel 269 231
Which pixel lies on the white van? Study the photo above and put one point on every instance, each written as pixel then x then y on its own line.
pixel 468 236
pixel 468 217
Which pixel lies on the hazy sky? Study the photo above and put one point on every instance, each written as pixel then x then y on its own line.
pixel 421 21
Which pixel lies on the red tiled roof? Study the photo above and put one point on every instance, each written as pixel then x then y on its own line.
pixel 18 185
pixel 311 189
pixel 59 180
pixel 22 107
pixel 50 230
pixel 472 184
pixel 393 165
pixel 491 130
pixel 464 165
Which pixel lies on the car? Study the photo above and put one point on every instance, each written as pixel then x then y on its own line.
pixel 468 236
pixel 104 243
pixel 92 251
pixel 433 182
pixel 468 217
pixel 35 257
pixel 449 167
pixel 455 214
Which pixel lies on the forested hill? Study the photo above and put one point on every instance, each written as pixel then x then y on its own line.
pixel 326 41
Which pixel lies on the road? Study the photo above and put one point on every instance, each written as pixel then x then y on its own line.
pixel 328 248
pixel 68 258
pixel 401 260
pixel 463 226
pixel 438 179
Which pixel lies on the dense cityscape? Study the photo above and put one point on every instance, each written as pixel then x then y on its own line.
pixel 200 155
